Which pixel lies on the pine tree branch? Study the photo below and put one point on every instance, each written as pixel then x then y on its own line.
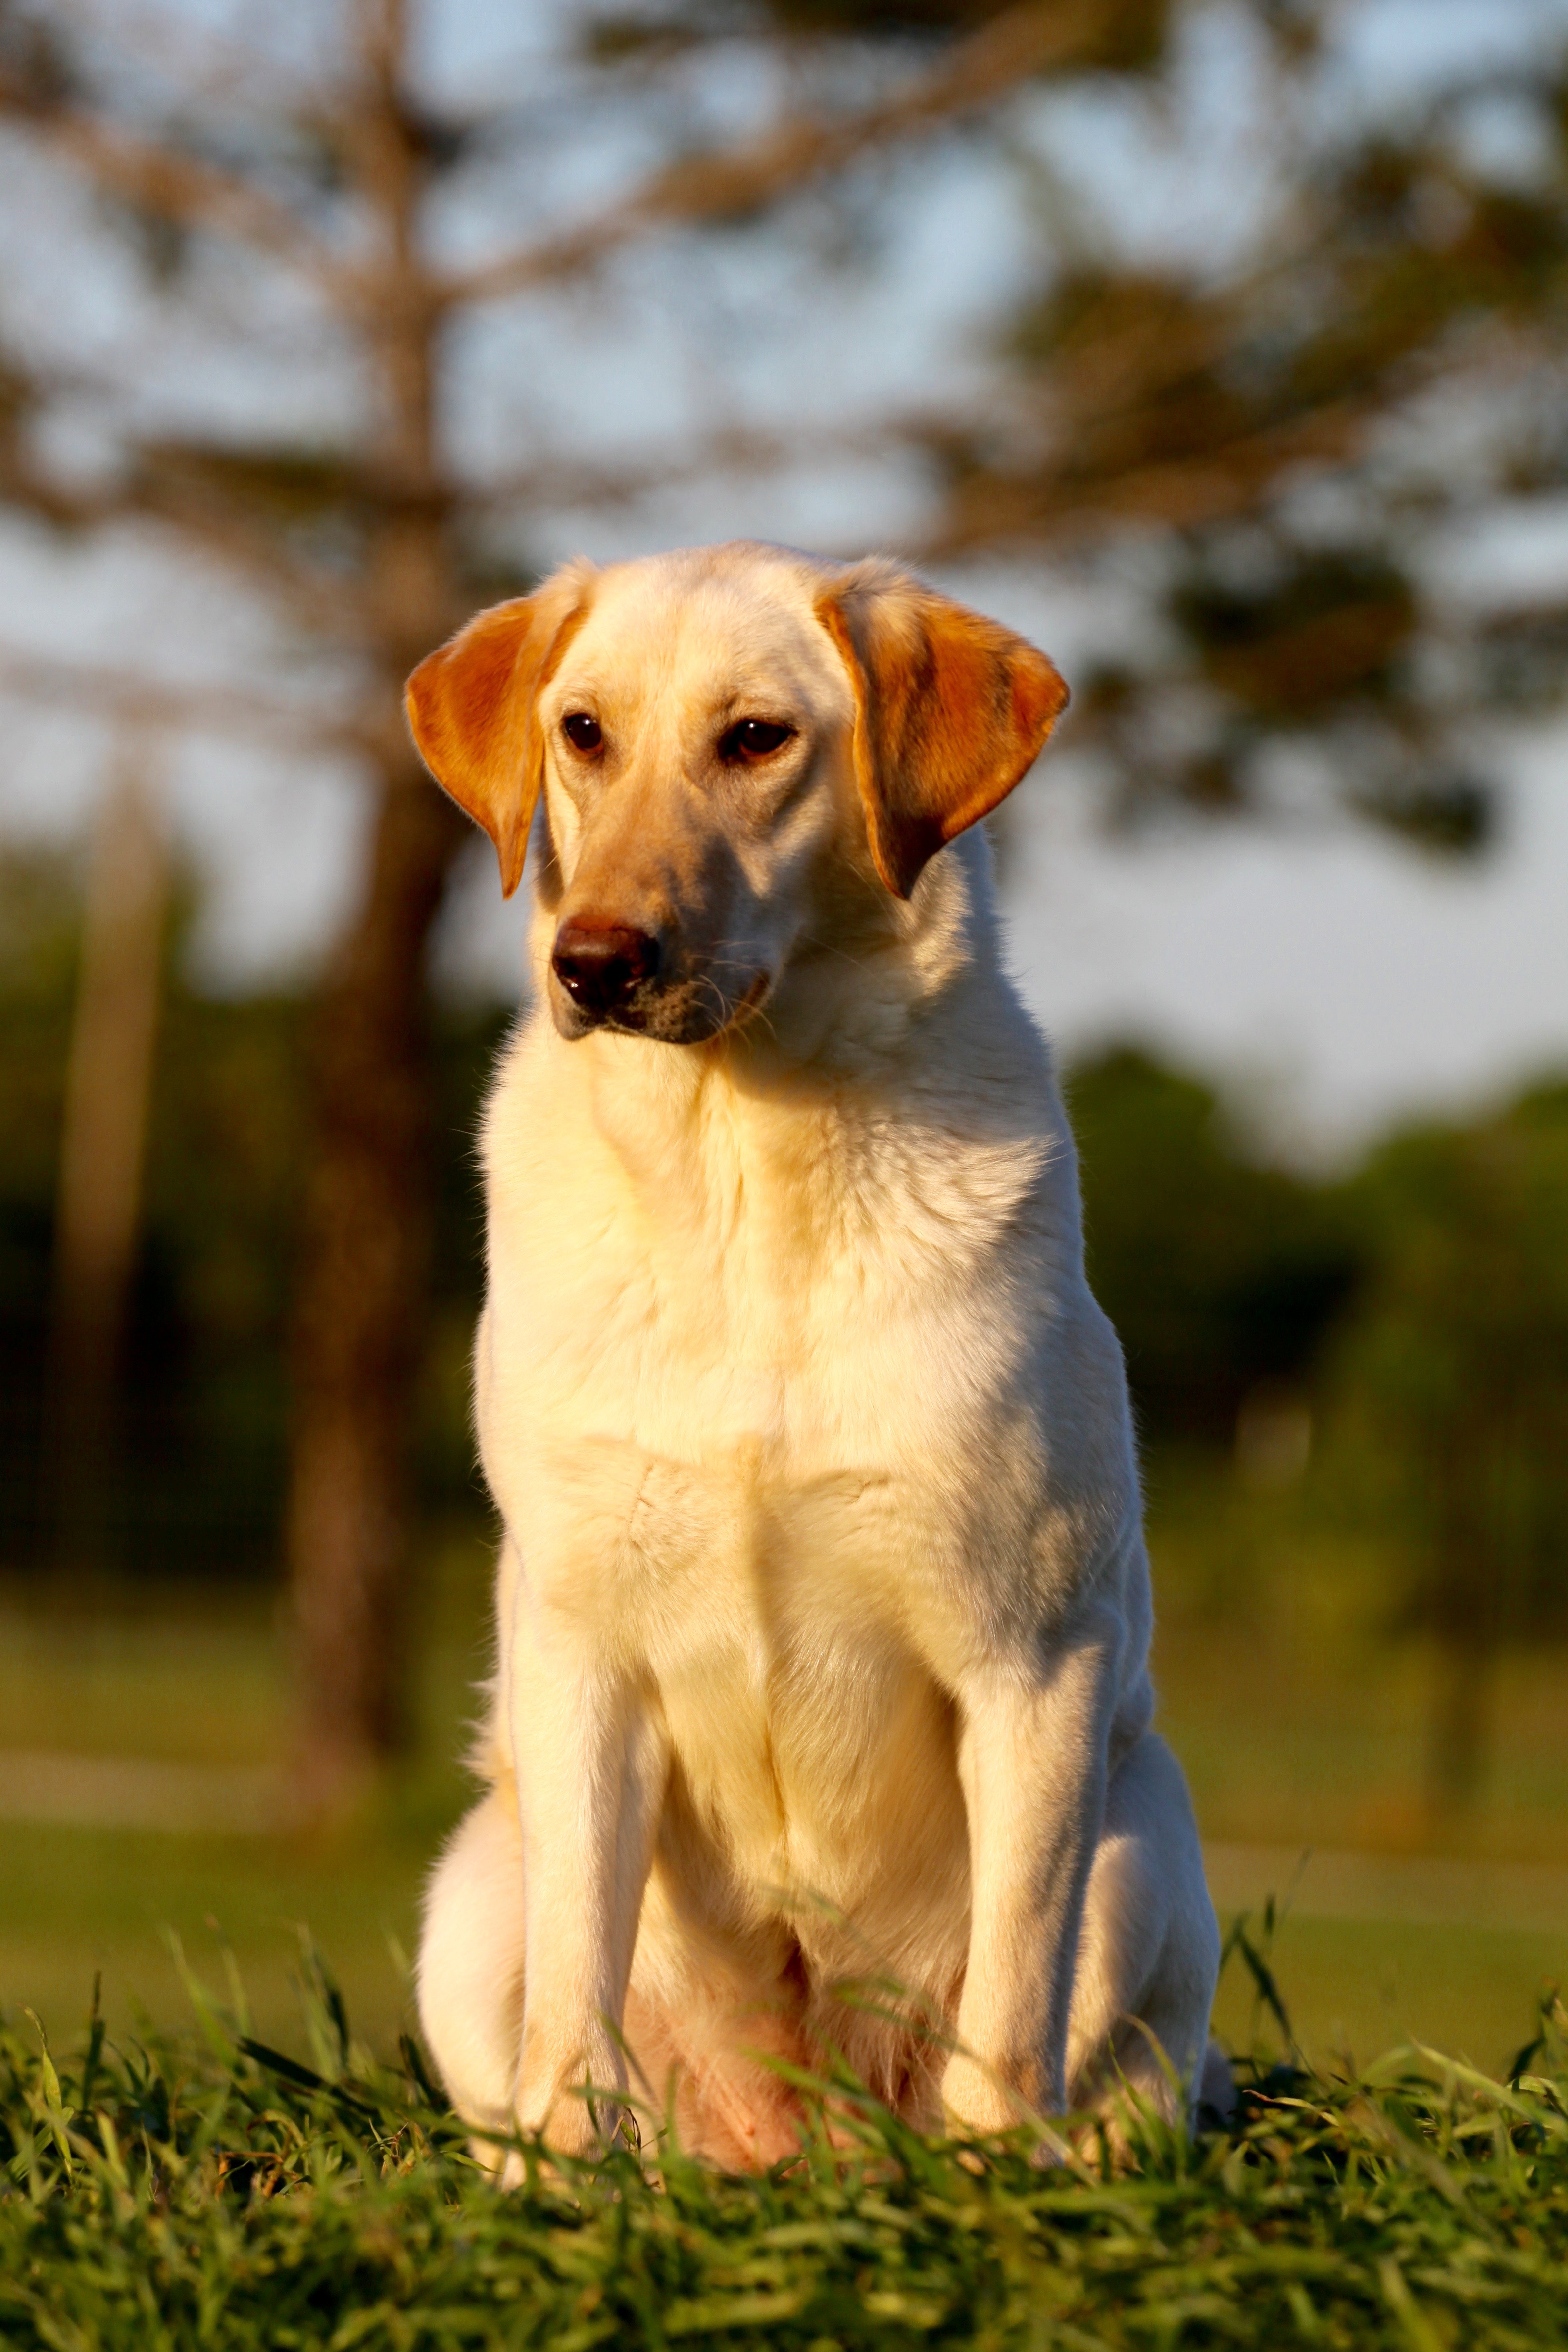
pixel 560 478
pixel 175 186
pixel 153 494
pixel 1060 509
pixel 727 183
pixel 127 698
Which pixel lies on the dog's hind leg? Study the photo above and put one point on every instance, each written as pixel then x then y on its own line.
pixel 470 1971
pixel 1149 1951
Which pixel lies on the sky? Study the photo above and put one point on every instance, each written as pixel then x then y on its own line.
pixel 1336 979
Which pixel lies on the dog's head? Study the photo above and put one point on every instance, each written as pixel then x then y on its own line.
pixel 717 734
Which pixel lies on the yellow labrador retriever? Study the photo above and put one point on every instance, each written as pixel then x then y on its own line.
pixel 823 1608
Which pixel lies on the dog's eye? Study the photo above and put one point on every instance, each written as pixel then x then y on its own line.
pixel 754 738
pixel 582 730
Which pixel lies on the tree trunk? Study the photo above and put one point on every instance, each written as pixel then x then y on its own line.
pixel 1461 1721
pixel 1465 1611
pixel 361 1307
pixel 362 1296
pixel 107 1083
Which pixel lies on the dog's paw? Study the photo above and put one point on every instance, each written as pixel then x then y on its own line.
pixel 978 2105
pixel 578 2124
pixel 572 2136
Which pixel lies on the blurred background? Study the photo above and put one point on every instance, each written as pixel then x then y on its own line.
pixel 1219 345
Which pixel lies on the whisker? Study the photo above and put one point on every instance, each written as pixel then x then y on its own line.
pixel 831 947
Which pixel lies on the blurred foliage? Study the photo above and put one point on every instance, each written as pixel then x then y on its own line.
pixel 1218 1273
pixel 1453 1373
pixel 201 1446
pixel 1419 1306
pixel 1449 1395
pixel 1277 443
pixel 1119 37
pixel 1396 1339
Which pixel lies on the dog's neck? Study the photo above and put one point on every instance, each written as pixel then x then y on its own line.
pixel 856 993
pixel 896 1080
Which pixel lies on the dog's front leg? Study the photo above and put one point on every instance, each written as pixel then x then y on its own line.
pixel 592 1759
pixel 1032 1757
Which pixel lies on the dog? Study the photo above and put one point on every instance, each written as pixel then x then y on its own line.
pixel 823 1607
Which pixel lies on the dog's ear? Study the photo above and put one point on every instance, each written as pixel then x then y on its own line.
pixel 951 710
pixel 471 709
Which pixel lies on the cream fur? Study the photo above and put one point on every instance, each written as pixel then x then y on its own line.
pixel 823 1611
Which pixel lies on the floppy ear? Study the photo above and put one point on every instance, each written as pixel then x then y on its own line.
pixel 471 710
pixel 950 712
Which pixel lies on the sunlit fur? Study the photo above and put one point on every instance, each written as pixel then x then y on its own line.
pixel 823 1608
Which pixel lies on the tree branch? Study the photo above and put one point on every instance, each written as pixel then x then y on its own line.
pixel 156 492
pixel 1059 509
pixel 728 182
pixel 127 698
pixel 558 479
pixel 177 188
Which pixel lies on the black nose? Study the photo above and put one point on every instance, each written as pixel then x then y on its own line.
pixel 599 964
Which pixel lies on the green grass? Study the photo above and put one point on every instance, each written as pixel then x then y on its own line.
pixel 207 2192
pixel 219 2197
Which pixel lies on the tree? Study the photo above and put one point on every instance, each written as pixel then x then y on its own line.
pixel 1188 407
pixel 1222 1276
pixel 1449 1388
pixel 104 1142
pixel 1281 444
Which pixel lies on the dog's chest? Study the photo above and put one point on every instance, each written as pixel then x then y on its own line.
pixel 693 1476
pixel 832 1295
pixel 734 1415
pixel 785 1630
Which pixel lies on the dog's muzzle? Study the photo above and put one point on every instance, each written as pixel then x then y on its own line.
pixel 601 966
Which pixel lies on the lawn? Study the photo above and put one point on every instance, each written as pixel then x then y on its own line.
pixel 209 2192
pixel 197 2192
